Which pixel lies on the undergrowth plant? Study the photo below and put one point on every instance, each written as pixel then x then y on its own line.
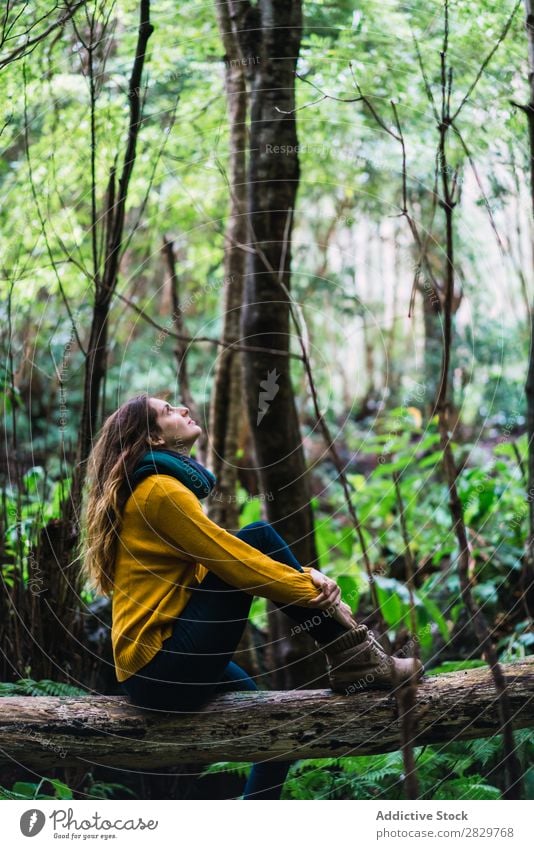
pixel 462 770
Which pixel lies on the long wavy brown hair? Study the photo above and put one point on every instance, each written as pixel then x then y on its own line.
pixel 122 441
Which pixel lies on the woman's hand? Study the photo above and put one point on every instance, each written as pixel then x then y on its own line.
pixel 330 592
pixel 343 614
pixel 329 599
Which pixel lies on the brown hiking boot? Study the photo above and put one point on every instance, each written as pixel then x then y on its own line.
pixel 356 661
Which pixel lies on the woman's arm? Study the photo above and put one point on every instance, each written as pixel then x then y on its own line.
pixel 175 514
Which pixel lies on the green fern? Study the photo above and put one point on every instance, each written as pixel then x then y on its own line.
pixel 525 735
pixel 306 782
pixel 29 687
pixel 106 790
pixel 340 778
pixel 474 787
pixel 461 770
pixel 485 749
pixel 241 768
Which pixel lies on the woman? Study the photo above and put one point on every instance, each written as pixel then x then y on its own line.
pixel 182 586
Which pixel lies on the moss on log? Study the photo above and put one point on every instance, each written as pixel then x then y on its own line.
pixel 38 732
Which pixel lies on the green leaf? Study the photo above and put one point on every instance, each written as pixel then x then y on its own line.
pixel 429 440
pixel 473 787
pixel 24 789
pixel 486 593
pixel 436 616
pixel 32 477
pixel 456 666
pixel 434 459
pixel 61 789
pixel 350 593
pixel 241 768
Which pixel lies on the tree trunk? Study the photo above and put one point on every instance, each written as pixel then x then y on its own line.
pixel 227 397
pixel 269 41
pixel 39 732
pixel 181 350
pixel 528 567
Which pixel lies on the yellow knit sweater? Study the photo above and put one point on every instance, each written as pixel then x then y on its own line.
pixel 166 547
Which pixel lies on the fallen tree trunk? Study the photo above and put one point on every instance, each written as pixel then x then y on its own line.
pixel 38 732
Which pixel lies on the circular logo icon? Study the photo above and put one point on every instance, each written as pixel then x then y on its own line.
pixel 31 822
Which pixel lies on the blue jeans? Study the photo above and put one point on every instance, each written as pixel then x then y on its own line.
pixel 187 670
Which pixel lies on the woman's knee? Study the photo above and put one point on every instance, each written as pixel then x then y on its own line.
pixel 252 526
pixel 265 538
pixel 255 531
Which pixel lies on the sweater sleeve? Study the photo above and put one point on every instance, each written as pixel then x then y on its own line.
pixel 175 513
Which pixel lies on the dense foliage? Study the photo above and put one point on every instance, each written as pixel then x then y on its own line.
pixel 65 112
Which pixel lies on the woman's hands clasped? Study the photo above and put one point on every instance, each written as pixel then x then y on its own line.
pixel 329 599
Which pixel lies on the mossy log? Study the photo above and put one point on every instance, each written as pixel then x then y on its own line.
pixel 43 732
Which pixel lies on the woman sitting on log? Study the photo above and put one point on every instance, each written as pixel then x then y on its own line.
pixel 182 586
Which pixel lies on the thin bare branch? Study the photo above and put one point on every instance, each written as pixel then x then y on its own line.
pixel 479 183
pixel 30 44
pixel 193 339
pixel 487 60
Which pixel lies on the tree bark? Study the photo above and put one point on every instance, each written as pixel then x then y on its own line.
pixel 181 349
pixel 41 732
pixel 269 43
pixel 227 397
pixel 527 575
pixel 432 302
pixel 272 187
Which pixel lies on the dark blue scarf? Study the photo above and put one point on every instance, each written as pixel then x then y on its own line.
pixel 163 461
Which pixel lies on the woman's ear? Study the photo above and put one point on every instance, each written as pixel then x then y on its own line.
pixel 155 441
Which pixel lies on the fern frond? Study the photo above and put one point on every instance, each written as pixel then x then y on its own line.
pixel 241 768
pixel 29 687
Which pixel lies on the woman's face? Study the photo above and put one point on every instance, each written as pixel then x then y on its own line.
pixel 178 430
